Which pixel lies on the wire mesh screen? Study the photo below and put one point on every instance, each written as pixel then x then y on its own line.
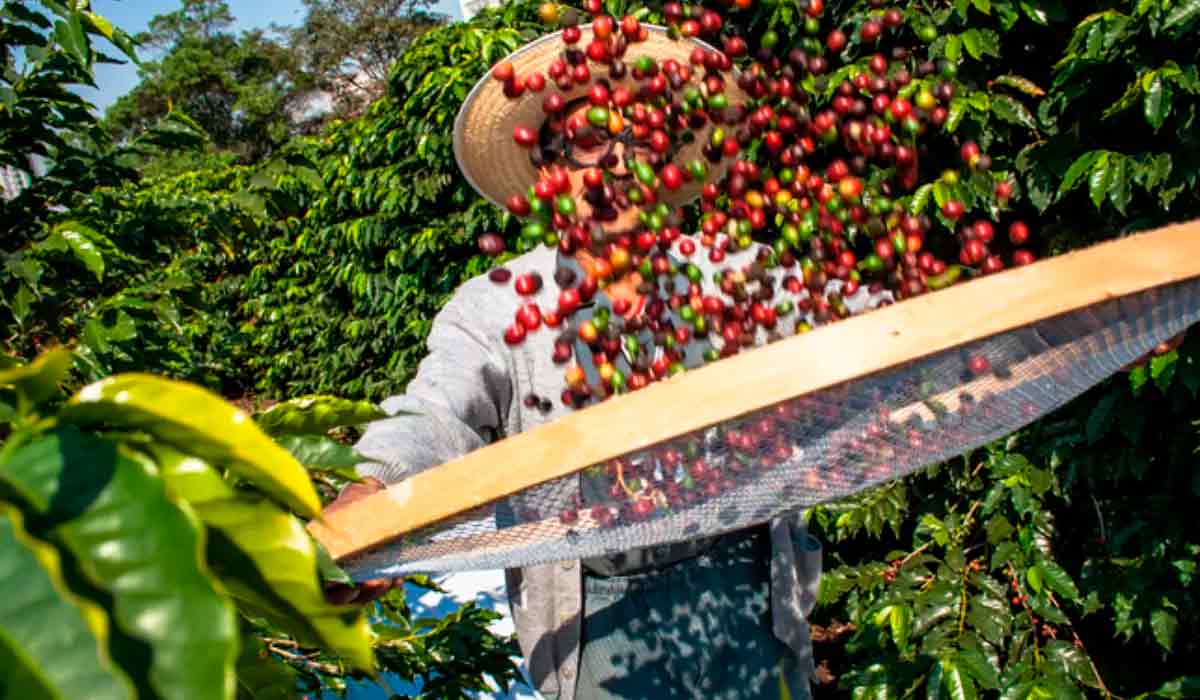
pixel 812 449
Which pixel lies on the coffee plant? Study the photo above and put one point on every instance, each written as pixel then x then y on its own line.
pixel 1059 562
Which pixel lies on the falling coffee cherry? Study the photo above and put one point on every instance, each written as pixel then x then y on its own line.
pixel 1018 232
pixel 514 334
pixel 491 244
pixel 528 283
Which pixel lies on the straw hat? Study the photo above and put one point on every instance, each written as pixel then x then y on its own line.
pixel 497 167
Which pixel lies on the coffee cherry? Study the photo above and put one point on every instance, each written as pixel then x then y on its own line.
pixel 870 31
pixel 490 244
pixel 514 334
pixel 535 82
pixel 836 41
pixel 524 136
pixel 503 71
pixel 953 209
pixel 1004 190
pixel 528 283
pixel 500 275
pixel 529 316
pixel 1022 257
pixel 1018 232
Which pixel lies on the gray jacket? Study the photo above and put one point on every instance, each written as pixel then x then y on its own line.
pixel 469 391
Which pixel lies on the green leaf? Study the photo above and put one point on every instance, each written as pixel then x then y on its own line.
pixel 958 685
pixel 984 6
pixel 107 507
pixel 1070 661
pixel 901 621
pixel 920 199
pixel 322 454
pixel 979 666
pixel 1185 11
pixel 1138 376
pixel 261 677
pixel 70 35
pixel 281 558
pixel 1078 170
pixel 1164 624
pixel 1033 576
pixel 981 42
pixel 81 240
pixel 316 415
pixel 1162 369
pixel 52 644
pixel 196 420
pixel 958 110
pixel 38 380
pixel 990 617
pixel 1021 84
pixel 1100 420
pixel 1034 11
pixel 1100 179
pixel 953 49
pixel 1058 580
pixel 1157 101
pixel 1012 111
pixel 1120 193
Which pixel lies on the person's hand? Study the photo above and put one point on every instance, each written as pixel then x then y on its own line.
pixel 1161 349
pixel 364 591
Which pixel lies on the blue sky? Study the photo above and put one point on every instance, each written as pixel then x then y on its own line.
pixel 134 15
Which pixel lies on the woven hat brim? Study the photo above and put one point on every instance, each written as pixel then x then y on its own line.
pixel 498 168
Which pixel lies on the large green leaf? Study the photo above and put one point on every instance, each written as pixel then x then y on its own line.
pixel 38 380
pixel 196 420
pixel 316 415
pixel 1058 580
pixel 1012 111
pixel 52 644
pixel 322 454
pixel 956 684
pixel 1185 11
pixel 1100 179
pixel 109 509
pixel 1163 624
pixel 279 551
pixel 81 241
pixel 1070 661
pixel 1158 100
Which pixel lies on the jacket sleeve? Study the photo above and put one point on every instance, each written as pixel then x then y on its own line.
pixel 457 402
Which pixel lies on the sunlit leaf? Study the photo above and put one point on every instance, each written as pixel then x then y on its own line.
pixel 53 645
pixel 279 559
pixel 39 380
pixel 196 420
pixel 316 415
pixel 322 454
pixel 107 507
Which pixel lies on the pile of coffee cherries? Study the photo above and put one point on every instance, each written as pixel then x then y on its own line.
pixel 825 180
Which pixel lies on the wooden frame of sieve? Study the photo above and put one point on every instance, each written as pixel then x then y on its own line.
pixel 764 376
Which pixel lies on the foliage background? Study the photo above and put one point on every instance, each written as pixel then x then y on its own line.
pixel 1059 562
